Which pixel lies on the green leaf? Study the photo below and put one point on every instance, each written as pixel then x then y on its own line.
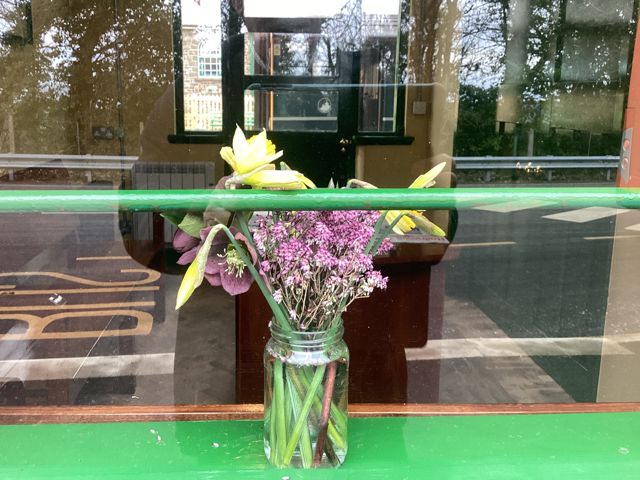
pixel 173 217
pixel 304 412
pixel 191 224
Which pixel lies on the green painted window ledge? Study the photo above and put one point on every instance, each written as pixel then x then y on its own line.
pixel 552 446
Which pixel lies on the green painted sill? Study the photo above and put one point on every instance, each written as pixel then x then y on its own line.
pixel 557 446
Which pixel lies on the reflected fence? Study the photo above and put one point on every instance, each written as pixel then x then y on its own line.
pixel 537 164
pixel 12 162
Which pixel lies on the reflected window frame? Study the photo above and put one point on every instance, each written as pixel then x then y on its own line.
pixel 578 32
pixel 209 60
pixel 231 25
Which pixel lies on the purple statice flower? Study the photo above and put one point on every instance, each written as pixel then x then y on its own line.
pixel 317 263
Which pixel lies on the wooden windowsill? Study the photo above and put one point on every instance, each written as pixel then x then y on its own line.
pixel 140 413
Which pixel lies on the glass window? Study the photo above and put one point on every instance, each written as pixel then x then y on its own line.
pixel 209 59
pixel 201 40
pixel 530 300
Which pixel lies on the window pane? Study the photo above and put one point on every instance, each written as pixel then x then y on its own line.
pixel 300 54
pixel 294 110
pixel 379 74
pixel 202 65
pixel 523 301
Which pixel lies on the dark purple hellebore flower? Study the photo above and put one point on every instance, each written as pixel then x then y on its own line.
pixel 183 242
pixel 187 245
pixel 225 268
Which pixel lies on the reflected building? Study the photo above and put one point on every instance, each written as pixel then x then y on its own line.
pixel 566 73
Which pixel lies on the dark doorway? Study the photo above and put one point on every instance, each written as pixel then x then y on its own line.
pixel 301 92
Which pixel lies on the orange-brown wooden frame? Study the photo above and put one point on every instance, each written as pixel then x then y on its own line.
pixel 107 413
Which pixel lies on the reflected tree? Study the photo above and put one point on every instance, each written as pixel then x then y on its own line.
pixel 547 57
pixel 91 63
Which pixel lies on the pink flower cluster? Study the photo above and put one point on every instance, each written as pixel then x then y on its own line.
pixel 317 262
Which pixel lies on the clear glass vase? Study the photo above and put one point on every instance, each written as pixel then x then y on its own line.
pixel 305 398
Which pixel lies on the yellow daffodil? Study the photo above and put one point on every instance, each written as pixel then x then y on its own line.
pixel 191 280
pixel 249 155
pixel 251 161
pixel 283 179
pixel 195 273
pixel 410 219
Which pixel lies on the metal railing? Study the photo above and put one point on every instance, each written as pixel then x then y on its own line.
pixel 317 199
pixel 21 161
pixel 535 164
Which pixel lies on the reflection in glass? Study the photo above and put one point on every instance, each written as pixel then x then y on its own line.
pixel 542 78
pixel 294 110
pixel 371 28
pixel 202 65
pixel 529 303
pixel 290 54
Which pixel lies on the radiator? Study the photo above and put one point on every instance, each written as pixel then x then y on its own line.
pixel 167 176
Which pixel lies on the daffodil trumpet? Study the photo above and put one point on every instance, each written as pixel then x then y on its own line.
pixel 404 221
pixel 247 155
pixel 252 164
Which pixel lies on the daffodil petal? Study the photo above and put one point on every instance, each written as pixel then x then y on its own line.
pixel 426 179
pixel 307 182
pixel 195 273
pixel 355 183
pixel 227 155
pixel 274 155
pixel 402 226
pixel 255 155
pixel 288 179
pixel 189 283
pixel 426 226
pixel 240 144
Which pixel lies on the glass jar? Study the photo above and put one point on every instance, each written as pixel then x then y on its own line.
pixel 305 397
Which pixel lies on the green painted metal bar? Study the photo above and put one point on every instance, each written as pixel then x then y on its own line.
pixel 550 447
pixel 320 199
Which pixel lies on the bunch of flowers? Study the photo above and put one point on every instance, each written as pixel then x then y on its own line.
pixel 310 266
pixel 319 262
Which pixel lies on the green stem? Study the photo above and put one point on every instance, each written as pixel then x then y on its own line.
pixel 278 312
pixel 306 451
pixel 269 415
pixel 335 436
pixel 277 407
pixel 272 433
pixel 381 232
pixel 304 412
pixel 288 413
pixel 244 256
pixel 337 420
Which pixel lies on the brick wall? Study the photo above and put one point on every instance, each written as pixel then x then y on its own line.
pixel 192 84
